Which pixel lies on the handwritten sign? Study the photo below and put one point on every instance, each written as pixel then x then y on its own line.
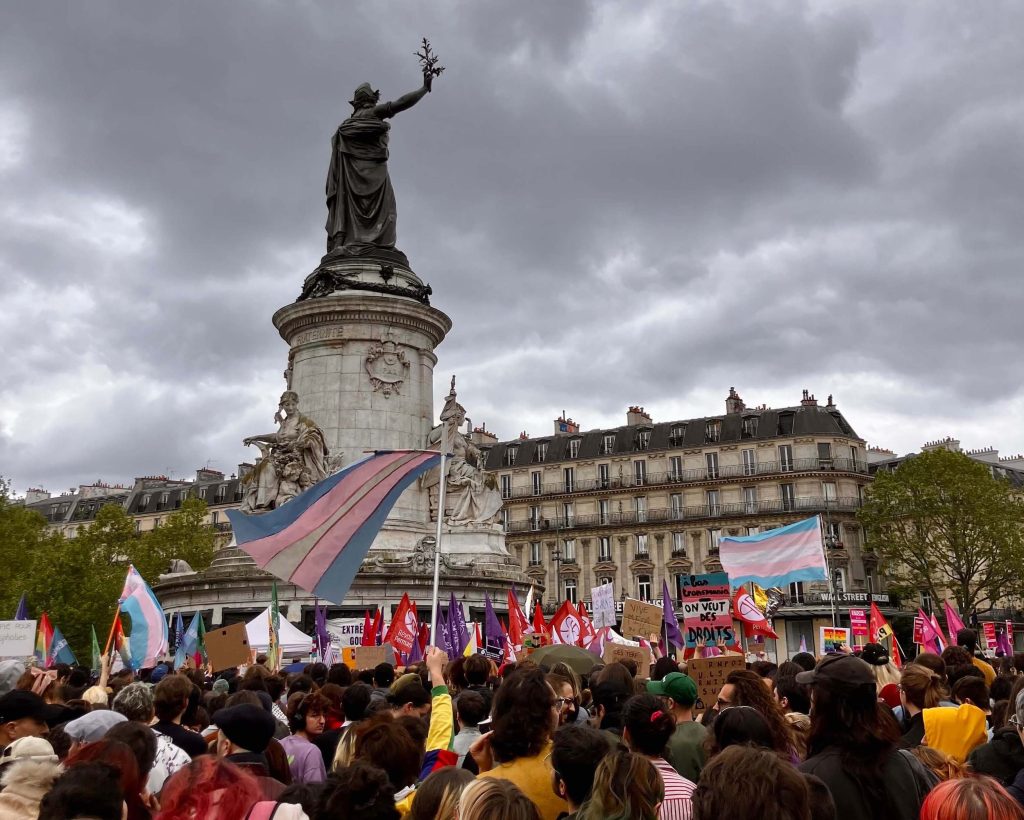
pixel 710 673
pixel 640 618
pixel 707 614
pixel 641 656
pixel 367 657
pixel 858 623
pixel 17 639
pixel 831 638
pixel 603 598
pixel 228 647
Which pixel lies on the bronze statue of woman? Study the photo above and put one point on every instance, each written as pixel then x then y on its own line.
pixel 361 211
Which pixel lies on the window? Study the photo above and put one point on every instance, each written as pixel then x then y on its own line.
pixel 604 548
pixel 569 551
pixel 752 530
pixel 676 435
pixel 145 501
pixel 824 455
pixel 506 486
pixel 510 455
pixel 750 500
pixel 569 514
pixel 640 473
pixel 535 552
pixel 679 543
pixel 854 457
pixel 570 590
pixel 643 439
pixel 569 477
pixel 786 458
pixel 504 518
pixel 712 431
pixel 714 536
pixel 787 496
pixel 202 492
pixel 541 453
pixel 604 579
pixel 574 448
pixel 165 497
pixel 926 601
pixel 641 544
pixel 749 427
pixel 675 468
pixel 839 580
pixel 535 518
pixel 712 501
pixel 215 517
pixel 676 505
pixel 832 537
pixel 604 516
pixel 640 508
pixel 607 444
pixel 828 490
pixel 603 479
pixel 869 582
pixel 711 460
pixel 796 592
pixel 535 478
pixel 643 587
pixel 785 424
pixel 749 462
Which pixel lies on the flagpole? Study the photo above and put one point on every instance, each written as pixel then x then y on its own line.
pixel 113 626
pixel 828 569
pixel 437 538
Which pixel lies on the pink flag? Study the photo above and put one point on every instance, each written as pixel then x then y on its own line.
pixel 931 636
pixel 954 623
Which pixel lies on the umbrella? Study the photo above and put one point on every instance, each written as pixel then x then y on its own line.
pixel 576 658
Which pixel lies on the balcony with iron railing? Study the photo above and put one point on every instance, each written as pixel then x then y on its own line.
pixel 700 474
pixel 776 506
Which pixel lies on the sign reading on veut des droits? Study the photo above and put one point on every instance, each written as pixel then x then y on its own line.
pixel 707 613
pixel 17 639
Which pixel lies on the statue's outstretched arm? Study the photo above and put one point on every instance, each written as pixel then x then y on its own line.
pixel 406 101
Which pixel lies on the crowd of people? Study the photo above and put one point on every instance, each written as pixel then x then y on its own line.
pixel 848 736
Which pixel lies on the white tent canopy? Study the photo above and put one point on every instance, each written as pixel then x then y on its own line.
pixel 293 642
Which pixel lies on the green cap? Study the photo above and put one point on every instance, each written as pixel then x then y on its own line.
pixel 675 685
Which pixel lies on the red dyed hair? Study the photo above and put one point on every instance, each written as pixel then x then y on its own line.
pixel 211 789
pixel 121 757
pixel 970 798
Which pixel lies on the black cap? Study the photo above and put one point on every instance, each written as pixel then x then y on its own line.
pixel 875 654
pixel 247 726
pixel 19 704
pixel 840 670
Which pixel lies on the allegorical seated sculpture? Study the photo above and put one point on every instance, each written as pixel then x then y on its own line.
pixel 471 495
pixel 294 459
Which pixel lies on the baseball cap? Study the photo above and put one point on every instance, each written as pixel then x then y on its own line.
pixel 28 748
pixel 675 685
pixel 875 654
pixel 840 670
pixel 19 704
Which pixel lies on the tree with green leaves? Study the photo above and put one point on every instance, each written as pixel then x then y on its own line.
pixel 941 523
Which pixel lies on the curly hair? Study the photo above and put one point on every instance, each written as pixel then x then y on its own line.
pixel 359 790
pixel 524 715
pixel 772 788
pixel 749 690
pixel 302 706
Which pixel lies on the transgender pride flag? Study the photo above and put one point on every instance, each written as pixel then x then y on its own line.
pixel 319 539
pixel 148 637
pixel 777 557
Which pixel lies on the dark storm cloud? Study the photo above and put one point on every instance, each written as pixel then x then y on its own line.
pixel 617 204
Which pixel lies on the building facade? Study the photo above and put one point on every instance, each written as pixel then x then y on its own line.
pixel 648 502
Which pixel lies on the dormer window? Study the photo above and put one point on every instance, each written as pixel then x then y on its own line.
pixel 643 439
pixel 510 455
pixel 749 426
pixel 607 444
pixel 540 455
pixel 675 438
pixel 712 431
pixel 574 448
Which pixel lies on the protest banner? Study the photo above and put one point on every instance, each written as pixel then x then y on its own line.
pixel 918 630
pixel 988 630
pixel 710 673
pixel 707 613
pixel 17 639
pixel 859 623
pixel 367 657
pixel 640 655
pixel 345 631
pixel 603 605
pixel 640 618
pixel 831 638
pixel 228 647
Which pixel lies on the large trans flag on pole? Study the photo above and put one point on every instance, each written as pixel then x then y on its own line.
pixel 776 558
pixel 319 539
pixel 148 637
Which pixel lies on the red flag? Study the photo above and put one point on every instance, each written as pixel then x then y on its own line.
pixel 367 639
pixel 566 626
pixel 747 611
pixel 404 626
pixel 540 626
pixel 878 627
pixel 516 615
pixel 515 633
pixel 586 627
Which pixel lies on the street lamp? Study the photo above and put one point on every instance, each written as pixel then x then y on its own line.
pixel 556 556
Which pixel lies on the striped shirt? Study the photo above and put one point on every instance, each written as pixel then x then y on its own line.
pixel 678 804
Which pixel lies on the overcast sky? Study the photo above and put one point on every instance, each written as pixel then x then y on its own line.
pixel 616 203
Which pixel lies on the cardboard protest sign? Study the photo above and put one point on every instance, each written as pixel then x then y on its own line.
pixel 640 655
pixel 710 673
pixel 858 623
pixel 640 618
pixel 707 613
pixel 17 639
pixel 228 647
pixel 603 602
pixel 831 638
pixel 367 657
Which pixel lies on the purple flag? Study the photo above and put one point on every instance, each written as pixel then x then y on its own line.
pixel 493 634
pixel 443 639
pixel 1003 644
pixel 457 626
pixel 416 653
pixel 671 631
pixel 22 613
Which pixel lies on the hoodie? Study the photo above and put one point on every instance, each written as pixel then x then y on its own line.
pixel 955 731
pixel 1002 757
pixel 24 783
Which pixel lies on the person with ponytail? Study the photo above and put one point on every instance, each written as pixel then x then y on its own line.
pixel 920 689
pixel 646 729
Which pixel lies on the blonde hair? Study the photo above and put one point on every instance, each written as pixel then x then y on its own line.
pixel 490 798
pixel 884 675
pixel 941 764
pixel 95 695
pixel 626 787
